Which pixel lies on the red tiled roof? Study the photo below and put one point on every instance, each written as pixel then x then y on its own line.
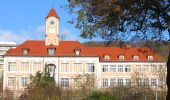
pixel 52 13
pixel 128 53
pixel 66 48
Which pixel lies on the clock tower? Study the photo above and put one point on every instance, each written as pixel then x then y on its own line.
pixel 52 28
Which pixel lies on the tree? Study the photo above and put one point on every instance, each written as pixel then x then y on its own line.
pixel 42 87
pixel 123 20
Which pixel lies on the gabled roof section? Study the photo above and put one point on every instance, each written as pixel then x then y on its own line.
pixel 67 49
pixel 38 48
pixel 115 52
pixel 52 13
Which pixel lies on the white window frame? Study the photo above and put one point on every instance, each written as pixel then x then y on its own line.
pixel 153 82
pixel 24 81
pixel 65 67
pixel 51 51
pixel 107 57
pixel 127 82
pixel 113 82
pixel 135 57
pixel 127 68
pixel 113 68
pixel 37 66
pixel 153 68
pixel 146 68
pixel 105 82
pixel 90 67
pixel 120 68
pixel 25 67
pixel 138 68
pixel 64 82
pixel 11 82
pixel 12 66
pixel 121 57
pixel 105 68
pixel 120 82
pixel 150 58
pixel 78 68
pixel 77 52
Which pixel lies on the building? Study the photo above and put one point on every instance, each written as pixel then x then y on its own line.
pixel 4 47
pixel 67 60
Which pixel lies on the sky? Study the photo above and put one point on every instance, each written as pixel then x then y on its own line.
pixel 22 20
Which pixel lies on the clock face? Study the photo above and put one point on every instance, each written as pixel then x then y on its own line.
pixel 52 22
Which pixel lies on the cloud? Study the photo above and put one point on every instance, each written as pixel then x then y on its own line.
pixel 41 29
pixel 22 35
pixel 68 35
pixel 9 35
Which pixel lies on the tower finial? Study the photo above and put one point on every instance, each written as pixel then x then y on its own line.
pixel 52 3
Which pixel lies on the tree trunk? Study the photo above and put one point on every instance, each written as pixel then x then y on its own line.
pixel 168 78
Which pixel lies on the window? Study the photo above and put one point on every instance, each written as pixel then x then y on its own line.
pixel 120 82
pixel 36 66
pixel 113 82
pixel 90 67
pixel 77 52
pixel 146 82
pixel 153 68
pixel 51 51
pixel 12 81
pixel 64 67
pixel 105 83
pixel 127 68
pixel 160 82
pixel 138 68
pixel 135 58
pixel 150 58
pixel 106 57
pixel 120 68
pixel 160 68
pixel 25 51
pixel 139 82
pixel 121 57
pixel 127 82
pixel 77 67
pixel 64 82
pixel 112 68
pixel 153 82
pixel 24 81
pixel 105 68
pixel 12 66
pixel 24 66
pixel 146 68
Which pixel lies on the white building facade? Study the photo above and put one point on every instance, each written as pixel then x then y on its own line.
pixel 4 47
pixel 70 60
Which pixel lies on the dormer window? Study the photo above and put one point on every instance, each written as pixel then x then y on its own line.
pixel 150 58
pixel 77 52
pixel 135 57
pixel 25 51
pixel 121 57
pixel 107 57
pixel 51 51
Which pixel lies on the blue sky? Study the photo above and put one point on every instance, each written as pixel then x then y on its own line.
pixel 21 20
